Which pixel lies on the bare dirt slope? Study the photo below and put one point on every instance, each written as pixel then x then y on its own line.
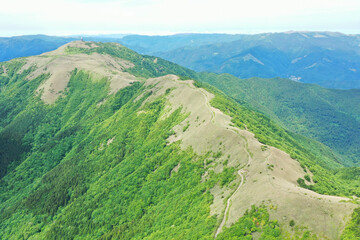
pixel 60 65
pixel 267 176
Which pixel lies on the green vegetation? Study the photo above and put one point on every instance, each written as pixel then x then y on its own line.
pixel 255 220
pixel 14 121
pixel 270 166
pixel 302 183
pixel 292 223
pixel 264 147
pixel 307 177
pixel 186 127
pixel 352 230
pixel 227 176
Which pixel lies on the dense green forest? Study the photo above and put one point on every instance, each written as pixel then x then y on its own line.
pixel 352 230
pixel 99 166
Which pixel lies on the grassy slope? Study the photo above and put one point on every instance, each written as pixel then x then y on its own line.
pixel 327 115
pixel 69 182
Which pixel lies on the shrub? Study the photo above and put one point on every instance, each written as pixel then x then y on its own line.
pixel 292 223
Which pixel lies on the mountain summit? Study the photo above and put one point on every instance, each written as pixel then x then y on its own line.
pixel 100 142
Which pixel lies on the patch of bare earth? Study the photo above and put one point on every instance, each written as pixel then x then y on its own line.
pixel 175 169
pixel 267 176
pixel 4 70
pixel 60 65
pixel 110 141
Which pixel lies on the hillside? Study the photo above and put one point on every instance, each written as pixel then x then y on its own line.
pixel 330 116
pixel 100 142
pixel 325 58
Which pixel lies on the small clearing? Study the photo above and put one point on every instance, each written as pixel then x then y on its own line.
pixel 250 57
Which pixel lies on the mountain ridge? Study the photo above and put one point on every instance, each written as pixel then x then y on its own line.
pixel 103 164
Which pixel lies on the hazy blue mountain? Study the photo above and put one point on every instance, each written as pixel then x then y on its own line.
pixel 159 44
pixel 329 59
pixel 22 46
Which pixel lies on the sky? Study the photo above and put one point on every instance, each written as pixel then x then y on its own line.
pixel 161 17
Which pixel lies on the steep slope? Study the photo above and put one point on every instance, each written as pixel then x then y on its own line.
pixel 156 157
pixel 327 115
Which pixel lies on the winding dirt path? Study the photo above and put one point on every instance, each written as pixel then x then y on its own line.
pixel 240 172
pixel 207 100
pixel 229 202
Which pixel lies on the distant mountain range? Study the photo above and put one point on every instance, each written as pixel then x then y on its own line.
pixel 325 58
pixel 153 45
pixel 23 46
pixel 29 45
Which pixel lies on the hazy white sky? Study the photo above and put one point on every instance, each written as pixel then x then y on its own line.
pixel 64 17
